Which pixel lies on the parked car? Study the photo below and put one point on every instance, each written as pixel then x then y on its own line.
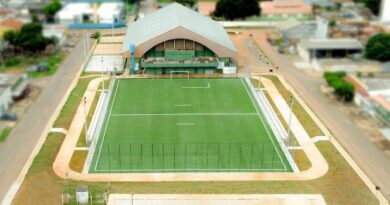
pixel 42 67
pixel 32 69
pixel 9 116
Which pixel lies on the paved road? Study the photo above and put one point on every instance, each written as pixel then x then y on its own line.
pixel 23 138
pixel 372 160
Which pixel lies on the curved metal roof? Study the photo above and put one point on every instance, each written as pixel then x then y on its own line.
pixel 177 22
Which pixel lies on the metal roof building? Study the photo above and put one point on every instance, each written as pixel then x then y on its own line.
pixel 177 37
pixel 327 44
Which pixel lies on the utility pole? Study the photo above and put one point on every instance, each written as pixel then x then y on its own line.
pixel 112 28
pixel 103 67
pixel 289 120
pixel 85 121
pixel 84 46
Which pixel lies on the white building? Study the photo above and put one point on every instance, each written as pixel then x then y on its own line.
pixel 74 13
pixel 110 13
pixel 385 11
pixel 5 99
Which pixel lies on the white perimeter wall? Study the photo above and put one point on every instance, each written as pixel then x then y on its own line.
pixel 385 11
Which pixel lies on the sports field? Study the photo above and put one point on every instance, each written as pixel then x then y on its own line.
pixel 185 125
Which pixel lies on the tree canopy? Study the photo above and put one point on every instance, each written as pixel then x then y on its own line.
pixel 378 47
pixel 373 5
pixel 189 3
pixel 29 38
pixel 51 9
pixel 236 9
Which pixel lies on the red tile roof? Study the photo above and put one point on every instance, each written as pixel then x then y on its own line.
pixel 381 100
pixel 11 23
pixel 285 7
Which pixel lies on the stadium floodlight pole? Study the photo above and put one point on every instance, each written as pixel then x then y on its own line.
pixel 112 28
pixel 87 37
pixel 85 121
pixel 102 72
pixel 289 120
pixel 84 47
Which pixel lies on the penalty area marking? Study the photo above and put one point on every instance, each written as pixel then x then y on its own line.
pixel 183 105
pixel 205 87
pixel 185 124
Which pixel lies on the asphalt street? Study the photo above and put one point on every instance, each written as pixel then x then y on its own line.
pixel 15 151
pixel 370 158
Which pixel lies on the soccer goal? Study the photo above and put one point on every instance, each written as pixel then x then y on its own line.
pixel 180 74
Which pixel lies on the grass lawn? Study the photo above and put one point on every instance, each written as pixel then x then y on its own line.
pixel 20 64
pixel 185 125
pixel 341 185
pixel 4 133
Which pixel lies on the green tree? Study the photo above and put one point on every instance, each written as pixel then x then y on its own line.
pixel 96 35
pixel 378 47
pixel 51 9
pixel 29 38
pixel 373 5
pixel 189 3
pixel 237 9
pixel 10 36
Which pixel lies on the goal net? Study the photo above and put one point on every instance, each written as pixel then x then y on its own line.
pixel 179 74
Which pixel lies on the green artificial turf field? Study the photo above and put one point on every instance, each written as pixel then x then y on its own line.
pixel 182 125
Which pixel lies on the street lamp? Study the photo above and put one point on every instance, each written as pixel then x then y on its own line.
pixel 102 64
pixel 85 121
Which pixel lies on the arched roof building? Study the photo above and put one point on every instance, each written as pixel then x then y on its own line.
pixel 176 37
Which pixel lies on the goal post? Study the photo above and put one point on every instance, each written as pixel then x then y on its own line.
pixel 183 72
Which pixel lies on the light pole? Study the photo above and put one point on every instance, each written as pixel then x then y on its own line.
pixel 102 71
pixel 289 125
pixel 87 37
pixel 85 122
pixel 112 28
pixel 84 46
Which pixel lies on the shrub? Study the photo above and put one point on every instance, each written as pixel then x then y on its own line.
pixel 12 62
pixel 96 35
pixel 342 88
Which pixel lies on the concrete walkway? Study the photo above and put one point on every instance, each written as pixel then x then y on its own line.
pixel 215 199
pixel 61 164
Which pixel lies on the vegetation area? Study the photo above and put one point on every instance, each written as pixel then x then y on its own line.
pixel 378 47
pixel 236 9
pixel 4 133
pixel 343 89
pixel 96 35
pixel 48 187
pixel 20 64
pixel 29 39
pixel 78 160
pixel 51 9
pixel 373 5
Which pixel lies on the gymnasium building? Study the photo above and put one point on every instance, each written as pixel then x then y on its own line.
pixel 178 39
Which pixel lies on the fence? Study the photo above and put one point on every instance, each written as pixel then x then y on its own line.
pixel 191 157
pixel 97 122
pixel 274 123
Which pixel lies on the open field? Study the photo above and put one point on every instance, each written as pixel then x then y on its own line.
pixel 185 125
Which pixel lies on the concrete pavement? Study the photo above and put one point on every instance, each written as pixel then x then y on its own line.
pixel 16 150
pixel 371 159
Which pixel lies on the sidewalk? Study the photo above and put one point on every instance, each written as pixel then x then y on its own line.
pixel 61 163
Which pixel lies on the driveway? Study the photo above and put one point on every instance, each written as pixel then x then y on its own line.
pixel 15 151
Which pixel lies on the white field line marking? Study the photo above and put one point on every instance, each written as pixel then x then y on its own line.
pixel 205 87
pixel 165 170
pixel 185 114
pixel 185 124
pixel 183 105
pixel 105 128
pixel 269 135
